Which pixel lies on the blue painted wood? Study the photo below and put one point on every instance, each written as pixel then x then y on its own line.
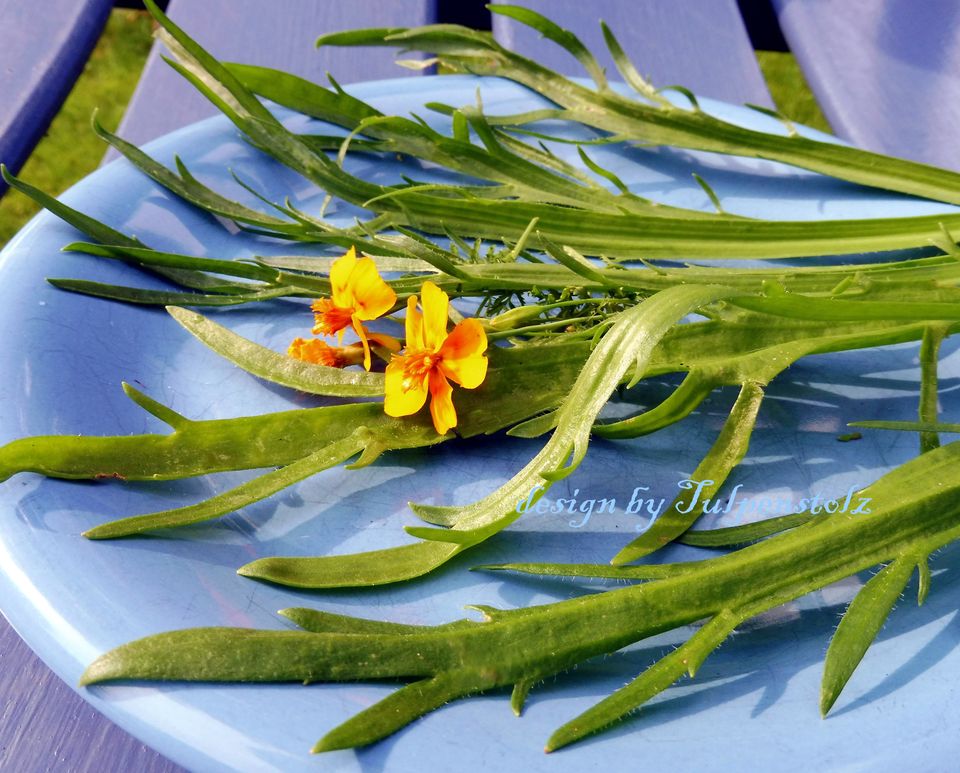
pixel 700 44
pixel 268 34
pixel 46 726
pixel 886 72
pixel 45 46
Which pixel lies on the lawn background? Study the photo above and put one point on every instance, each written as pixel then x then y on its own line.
pixel 70 150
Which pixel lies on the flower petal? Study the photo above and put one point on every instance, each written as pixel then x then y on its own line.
pixel 414 326
pixel 312 350
pixel 340 273
pixel 362 335
pixel 388 342
pixel 318 352
pixel 441 403
pixel 372 297
pixel 435 304
pixel 462 354
pixel 398 402
pixel 465 340
pixel 468 372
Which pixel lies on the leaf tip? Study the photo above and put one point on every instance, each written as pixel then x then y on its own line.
pixel 98 671
pixel 828 696
pixel 322 746
pixel 249 570
pixel 625 556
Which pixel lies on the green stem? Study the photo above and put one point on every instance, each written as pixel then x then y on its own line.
pixel 929 397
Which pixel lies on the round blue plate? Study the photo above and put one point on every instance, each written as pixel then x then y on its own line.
pixel 753 703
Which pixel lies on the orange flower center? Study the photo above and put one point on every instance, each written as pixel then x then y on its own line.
pixel 318 352
pixel 417 367
pixel 330 319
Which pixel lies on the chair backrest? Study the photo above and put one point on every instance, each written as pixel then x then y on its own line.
pixel 700 44
pixel 267 34
pixel 886 72
pixel 45 46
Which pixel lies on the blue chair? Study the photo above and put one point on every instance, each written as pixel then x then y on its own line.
pixel 886 72
pixel 45 46
pixel 270 35
pixel 700 44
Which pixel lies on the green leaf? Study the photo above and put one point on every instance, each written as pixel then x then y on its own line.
pixel 518 697
pixel 400 708
pixel 302 95
pixel 355 570
pixel 318 621
pixel 78 220
pixel 363 37
pixel 912 517
pixel 186 186
pixel 859 627
pixel 680 403
pixel 166 414
pixel 149 257
pixel 278 368
pixel 626 67
pixel 137 295
pixel 629 343
pixel 685 659
pixel 923 586
pixel 322 265
pixel 907 426
pixel 606 571
pixel 564 38
pixel 744 534
pixel 236 498
pixel 929 398
pixel 726 453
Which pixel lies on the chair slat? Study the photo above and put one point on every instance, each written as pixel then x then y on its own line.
pixel 699 44
pixel 45 46
pixel 267 34
pixel 886 72
pixel 46 726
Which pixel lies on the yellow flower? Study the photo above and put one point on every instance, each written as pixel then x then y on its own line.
pixel 359 294
pixel 431 357
pixel 319 353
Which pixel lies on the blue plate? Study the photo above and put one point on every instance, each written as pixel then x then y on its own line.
pixel 754 702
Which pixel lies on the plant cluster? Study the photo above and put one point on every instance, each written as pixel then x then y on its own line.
pixel 556 259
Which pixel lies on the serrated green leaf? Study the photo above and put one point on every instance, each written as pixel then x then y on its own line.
pixel 859 627
pixel 396 710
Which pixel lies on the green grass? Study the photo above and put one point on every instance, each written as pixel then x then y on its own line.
pixel 70 150
pixel 789 90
